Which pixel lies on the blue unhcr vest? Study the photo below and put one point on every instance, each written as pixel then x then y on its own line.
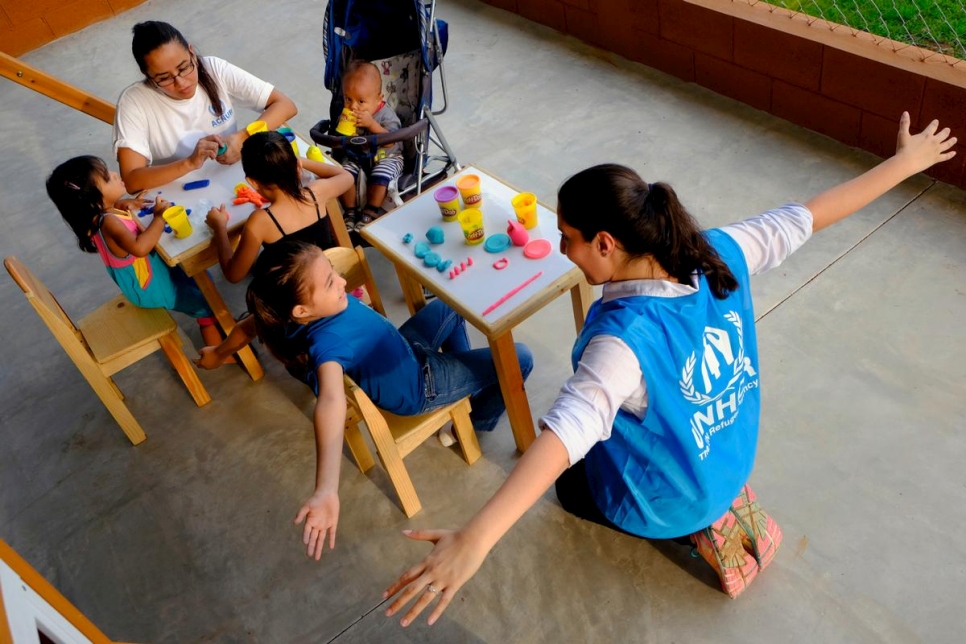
pixel 678 470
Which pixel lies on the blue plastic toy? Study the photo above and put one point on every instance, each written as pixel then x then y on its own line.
pixel 496 243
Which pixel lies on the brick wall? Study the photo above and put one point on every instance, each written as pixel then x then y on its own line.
pixel 28 24
pixel 831 79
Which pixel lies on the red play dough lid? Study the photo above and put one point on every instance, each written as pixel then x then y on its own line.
pixel 537 249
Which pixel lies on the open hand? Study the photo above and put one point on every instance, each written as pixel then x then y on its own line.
pixel 321 515
pixel 926 148
pixel 454 559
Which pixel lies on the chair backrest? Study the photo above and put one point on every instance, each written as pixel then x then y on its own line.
pixel 43 301
pixel 352 265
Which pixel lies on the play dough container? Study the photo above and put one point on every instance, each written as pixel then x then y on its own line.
pixel 471 221
pixel 448 199
pixel 177 218
pixel 525 206
pixel 347 123
pixel 469 187
pixel 314 154
pixel 290 137
pixel 256 126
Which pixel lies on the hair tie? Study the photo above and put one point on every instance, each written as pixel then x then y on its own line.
pixel 71 185
pixel 650 187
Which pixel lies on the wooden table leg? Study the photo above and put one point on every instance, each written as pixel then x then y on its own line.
pixel 581 296
pixel 514 394
pixel 227 323
pixel 412 290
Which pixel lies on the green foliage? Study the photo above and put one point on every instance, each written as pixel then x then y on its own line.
pixel 938 25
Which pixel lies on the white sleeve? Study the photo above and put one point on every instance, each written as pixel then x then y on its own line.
pixel 767 239
pixel 244 89
pixel 131 125
pixel 583 414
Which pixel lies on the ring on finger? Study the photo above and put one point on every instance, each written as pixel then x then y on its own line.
pixel 433 589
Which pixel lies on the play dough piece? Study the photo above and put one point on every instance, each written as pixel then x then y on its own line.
pixel 444 265
pixel 537 249
pixel 195 185
pixel 501 263
pixel 431 259
pixel 421 249
pixel 469 261
pixel 496 243
pixel 408 237
pixel 435 235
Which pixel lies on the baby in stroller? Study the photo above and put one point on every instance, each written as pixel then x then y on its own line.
pixel 362 89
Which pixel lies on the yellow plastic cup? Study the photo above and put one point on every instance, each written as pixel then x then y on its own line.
pixel 255 127
pixel 347 123
pixel 177 218
pixel 314 154
pixel 471 221
pixel 470 190
pixel 448 199
pixel 525 206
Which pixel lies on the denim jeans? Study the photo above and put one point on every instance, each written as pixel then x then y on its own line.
pixel 459 370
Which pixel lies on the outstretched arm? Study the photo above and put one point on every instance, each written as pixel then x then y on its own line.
pixel 240 336
pixel 914 153
pixel 457 555
pixel 321 511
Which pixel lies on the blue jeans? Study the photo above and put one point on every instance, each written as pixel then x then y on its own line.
pixel 459 370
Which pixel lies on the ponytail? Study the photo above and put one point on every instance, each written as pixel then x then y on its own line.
pixel 268 158
pixel 152 34
pixel 646 219
pixel 72 186
pixel 279 284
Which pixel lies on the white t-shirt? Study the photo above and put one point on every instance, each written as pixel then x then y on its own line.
pixel 163 129
pixel 608 375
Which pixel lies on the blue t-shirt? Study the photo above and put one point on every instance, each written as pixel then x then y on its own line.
pixel 679 468
pixel 371 351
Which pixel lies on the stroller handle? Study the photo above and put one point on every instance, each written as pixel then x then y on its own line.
pixel 364 145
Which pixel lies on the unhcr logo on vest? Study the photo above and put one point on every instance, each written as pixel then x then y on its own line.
pixel 225 114
pixel 723 377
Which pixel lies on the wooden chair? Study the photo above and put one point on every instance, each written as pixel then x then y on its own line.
pixel 113 337
pixel 394 436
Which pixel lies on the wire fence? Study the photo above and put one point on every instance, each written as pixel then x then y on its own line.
pixel 935 25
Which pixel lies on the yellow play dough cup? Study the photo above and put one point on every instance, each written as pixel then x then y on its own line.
pixel 314 154
pixel 177 218
pixel 471 221
pixel 255 127
pixel 347 123
pixel 449 202
pixel 525 206
pixel 470 190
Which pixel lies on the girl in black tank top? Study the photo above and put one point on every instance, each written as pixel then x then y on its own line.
pixel 272 168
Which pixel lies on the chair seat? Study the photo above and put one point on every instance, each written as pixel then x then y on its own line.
pixel 409 432
pixel 118 327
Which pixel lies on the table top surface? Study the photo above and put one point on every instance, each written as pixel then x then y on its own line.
pixel 480 285
pixel 220 190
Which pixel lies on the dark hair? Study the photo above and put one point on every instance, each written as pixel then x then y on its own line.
pixel 268 158
pixel 72 186
pixel 646 219
pixel 279 284
pixel 152 34
pixel 363 69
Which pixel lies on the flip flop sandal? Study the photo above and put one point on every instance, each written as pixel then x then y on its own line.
pixel 762 535
pixel 720 545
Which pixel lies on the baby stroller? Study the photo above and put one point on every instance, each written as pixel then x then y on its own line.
pixel 406 43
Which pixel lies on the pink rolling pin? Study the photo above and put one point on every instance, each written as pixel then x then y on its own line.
pixel 513 292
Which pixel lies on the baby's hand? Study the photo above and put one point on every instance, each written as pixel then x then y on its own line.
pixel 363 118
pixel 217 217
pixel 160 205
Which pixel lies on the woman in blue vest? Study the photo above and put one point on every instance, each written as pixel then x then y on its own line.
pixel 655 433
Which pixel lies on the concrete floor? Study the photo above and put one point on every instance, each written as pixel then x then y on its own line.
pixel 188 537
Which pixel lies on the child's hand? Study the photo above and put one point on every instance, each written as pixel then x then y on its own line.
pixel 217 218
pixel 926 148
pixel 321 515
pixel 132 204
pixel 160 205
pixel 363 118
pixel 208 358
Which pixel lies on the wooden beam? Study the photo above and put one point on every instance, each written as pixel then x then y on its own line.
pixel 31 77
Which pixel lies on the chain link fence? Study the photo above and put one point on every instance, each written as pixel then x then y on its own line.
pixel 935 25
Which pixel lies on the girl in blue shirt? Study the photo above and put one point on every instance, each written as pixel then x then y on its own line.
pixel 659 455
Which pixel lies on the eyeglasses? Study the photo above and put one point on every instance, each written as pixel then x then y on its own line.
pixel 182 71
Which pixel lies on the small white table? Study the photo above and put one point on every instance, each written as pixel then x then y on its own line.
pixel 195 253
pixel 481 285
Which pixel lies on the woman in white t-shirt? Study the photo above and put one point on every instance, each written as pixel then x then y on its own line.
pixel 165 127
